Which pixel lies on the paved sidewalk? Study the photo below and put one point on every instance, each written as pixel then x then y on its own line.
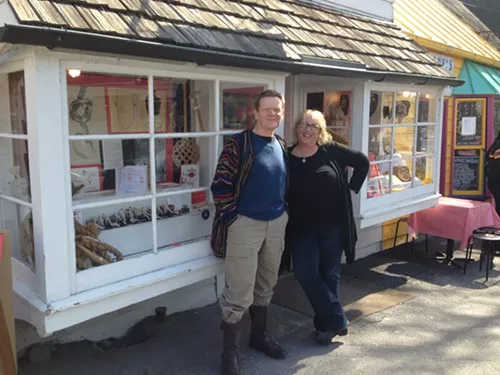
pixel 452 326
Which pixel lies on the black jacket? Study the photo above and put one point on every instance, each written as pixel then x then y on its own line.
pixel 340 158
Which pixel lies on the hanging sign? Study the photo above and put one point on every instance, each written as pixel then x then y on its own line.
pixel 468 173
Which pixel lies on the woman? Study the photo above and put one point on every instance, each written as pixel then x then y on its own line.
pixel 321 219
pixel 492 170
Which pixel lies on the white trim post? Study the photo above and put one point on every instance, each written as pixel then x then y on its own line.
pixel 279 85
pixel 47 156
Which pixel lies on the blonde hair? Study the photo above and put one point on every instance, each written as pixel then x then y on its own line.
pixel 324 137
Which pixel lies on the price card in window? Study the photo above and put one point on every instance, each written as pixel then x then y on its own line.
pixel 468 125
pixel 176 201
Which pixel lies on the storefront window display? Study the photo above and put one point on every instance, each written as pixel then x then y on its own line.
pixel 121 141
pixel 141 169
pixel 401 141
pixel 336 107
pixel 238 105
pixel 15 189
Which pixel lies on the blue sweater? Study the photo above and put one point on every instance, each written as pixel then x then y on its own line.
pixel 263 195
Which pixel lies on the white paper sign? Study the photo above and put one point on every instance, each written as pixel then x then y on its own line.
pixel 179 200
pixel 468 125
pixel 176 201
pixel 89 176
pixel 190 176
pixel 132 179
pixel 112 153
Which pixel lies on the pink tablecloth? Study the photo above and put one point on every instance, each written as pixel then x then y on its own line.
pixel 454 219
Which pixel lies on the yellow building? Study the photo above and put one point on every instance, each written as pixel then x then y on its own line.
pixel 473 60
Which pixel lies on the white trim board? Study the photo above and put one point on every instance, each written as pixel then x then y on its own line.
pixel 50 318
pixel 387 212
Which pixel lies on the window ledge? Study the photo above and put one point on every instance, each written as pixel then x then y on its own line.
pixel 81 307
pixel 385 213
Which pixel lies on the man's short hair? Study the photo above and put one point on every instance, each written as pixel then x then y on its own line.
pixel 267 94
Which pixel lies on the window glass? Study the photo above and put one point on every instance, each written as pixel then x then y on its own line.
pixel 336 106
pixel 106 104
pixel 18 220
pixel 15 186
pixel 108 234
pixel 426 107
pixel 238 105
pixel 400 150
pixel 424 169
pixel 183 218
pixel 119 168
pixel 405 107
pixel 378 180
pixel 404 137
pixel 14 169
pixel 402 176
pixel 12 104
pixel 425 139
pixel 381 104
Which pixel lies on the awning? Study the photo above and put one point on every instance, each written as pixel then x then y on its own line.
pixel 479 80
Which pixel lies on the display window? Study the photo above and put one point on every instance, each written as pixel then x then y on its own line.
pixel 336 106
pixel 238 105
pixel 401 142
pixel 143 152
pixel 15 187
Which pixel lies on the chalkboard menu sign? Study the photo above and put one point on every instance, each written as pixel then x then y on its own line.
pixel 467 172
pixel 470 117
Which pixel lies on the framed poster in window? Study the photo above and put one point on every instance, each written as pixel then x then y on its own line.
pixel 470 123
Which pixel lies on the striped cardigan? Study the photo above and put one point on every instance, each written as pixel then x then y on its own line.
pixel 233 168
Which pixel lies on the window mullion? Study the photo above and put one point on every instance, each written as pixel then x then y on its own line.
pixel 152 160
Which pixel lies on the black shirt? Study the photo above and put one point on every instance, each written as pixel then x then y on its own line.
pixel 314 199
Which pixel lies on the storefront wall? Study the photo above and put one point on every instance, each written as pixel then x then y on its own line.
pixel 92 132
pixel 89 116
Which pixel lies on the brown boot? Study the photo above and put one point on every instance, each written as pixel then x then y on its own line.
pixel 231 338
pixel 259 338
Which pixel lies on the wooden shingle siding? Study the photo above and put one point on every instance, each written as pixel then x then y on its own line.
pixel 281 29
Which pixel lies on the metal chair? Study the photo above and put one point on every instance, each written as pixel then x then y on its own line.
pixel 489 237
pixel 405 220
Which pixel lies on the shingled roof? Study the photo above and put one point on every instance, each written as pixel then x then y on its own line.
pixel 290 31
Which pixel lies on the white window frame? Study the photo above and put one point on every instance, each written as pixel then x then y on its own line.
pixel 57 297
pixel 155 260
pixel 376 210
pixel 20 270
pixel 373 211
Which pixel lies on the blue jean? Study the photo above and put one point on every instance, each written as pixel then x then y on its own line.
pixel 317 259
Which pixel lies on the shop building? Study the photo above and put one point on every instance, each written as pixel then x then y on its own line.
pixel 471 117
pixel 114 114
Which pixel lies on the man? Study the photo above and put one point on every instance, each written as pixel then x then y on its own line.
pixel 249 225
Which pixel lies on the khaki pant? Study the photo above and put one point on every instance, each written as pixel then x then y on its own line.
pixel 253 257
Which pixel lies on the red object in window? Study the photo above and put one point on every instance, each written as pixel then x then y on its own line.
pixel 198 197
pixel 374 169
